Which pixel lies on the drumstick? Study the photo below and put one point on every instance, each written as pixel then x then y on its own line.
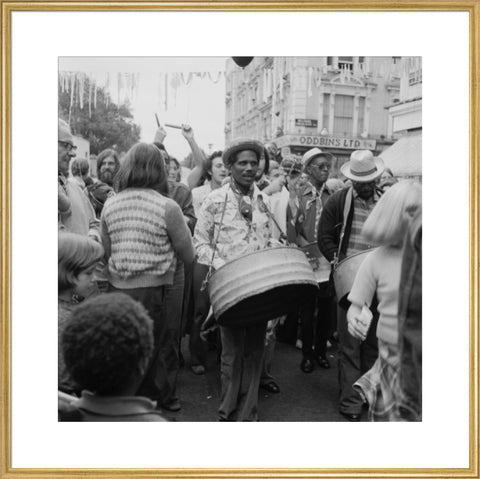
pixel 158 121
pixel 173 126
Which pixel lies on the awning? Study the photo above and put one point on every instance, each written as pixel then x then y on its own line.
pixel 404 157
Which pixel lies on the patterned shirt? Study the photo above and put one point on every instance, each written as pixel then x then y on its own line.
pixel 199 194
pixel 306 221
pixel 238 236
pixel 361 209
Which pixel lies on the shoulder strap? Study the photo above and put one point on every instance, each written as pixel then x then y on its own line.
pixel 346 212
pixel 214 246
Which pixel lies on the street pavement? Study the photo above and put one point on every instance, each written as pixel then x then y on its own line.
pixel 302 397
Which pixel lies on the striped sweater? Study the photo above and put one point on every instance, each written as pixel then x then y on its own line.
pixel 141 231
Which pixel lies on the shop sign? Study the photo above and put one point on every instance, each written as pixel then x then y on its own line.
pixel 327 142
pixel 306 122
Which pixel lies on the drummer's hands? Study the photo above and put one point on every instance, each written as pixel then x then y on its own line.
pixel 187 132
pixel 160 135
pixel 354 326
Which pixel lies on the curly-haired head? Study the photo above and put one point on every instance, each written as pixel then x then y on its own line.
pixel 75 254
pixel 107 343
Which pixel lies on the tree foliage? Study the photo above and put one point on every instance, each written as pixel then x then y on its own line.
pixel 104 125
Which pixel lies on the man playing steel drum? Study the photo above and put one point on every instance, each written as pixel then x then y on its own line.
pixel 339 236
pixel 233 222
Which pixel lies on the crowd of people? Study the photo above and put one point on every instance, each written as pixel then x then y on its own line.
pixel 139 242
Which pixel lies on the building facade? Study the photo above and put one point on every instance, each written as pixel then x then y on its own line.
pixel 404 157
pixel 336 103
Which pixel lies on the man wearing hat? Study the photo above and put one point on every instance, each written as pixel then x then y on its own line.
pixel 75 213
pixel 304 215
pixel 339 236
pixel 233 222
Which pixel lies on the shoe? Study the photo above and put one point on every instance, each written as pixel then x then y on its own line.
pixel 198 369
pixel 353 417
pixel 173 405
pixel 271 387
pixel 323 362
pixel 299 344
pixel 306 365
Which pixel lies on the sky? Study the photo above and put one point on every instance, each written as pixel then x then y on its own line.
pixel 200 104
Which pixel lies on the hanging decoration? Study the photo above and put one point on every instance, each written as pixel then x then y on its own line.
pixel 83 87
pixel 188 80
pixel 219 75
pixel 90 89
pixel 166 91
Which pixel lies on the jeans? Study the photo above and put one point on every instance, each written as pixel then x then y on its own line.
pixel 174 302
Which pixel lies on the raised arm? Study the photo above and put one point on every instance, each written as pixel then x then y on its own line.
pixel 199 158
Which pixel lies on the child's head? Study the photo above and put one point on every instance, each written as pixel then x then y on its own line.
pixel 77 258
pixel 107 344
pixel 387 223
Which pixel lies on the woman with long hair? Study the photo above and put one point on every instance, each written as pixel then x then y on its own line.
pixel 143 233
pixel 380 274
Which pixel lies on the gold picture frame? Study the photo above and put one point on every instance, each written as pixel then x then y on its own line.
pixel 470 6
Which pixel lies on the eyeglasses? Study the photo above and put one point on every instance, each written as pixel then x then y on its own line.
pixel 67 146
pixel 322 166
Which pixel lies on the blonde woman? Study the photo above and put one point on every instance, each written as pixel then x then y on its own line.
pixel 380 274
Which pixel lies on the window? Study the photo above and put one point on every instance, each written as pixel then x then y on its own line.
pixel 361 114
pixel 345 62
pixel 343 120
pixel 415 77
pixel 326 110
pixel 329 61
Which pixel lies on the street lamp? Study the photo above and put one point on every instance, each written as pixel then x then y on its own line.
pixel 324 132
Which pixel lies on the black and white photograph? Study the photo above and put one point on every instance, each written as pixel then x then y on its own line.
pixel 265 214
pixel 240 239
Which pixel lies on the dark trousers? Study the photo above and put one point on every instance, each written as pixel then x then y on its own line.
pixel 174 302
pixel 197 347
pixel 154 384
pixel 241 368
pixel 355 358
pixel 315 322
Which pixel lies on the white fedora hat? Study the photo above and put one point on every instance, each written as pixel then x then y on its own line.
pixel 313 153
pixel 363 167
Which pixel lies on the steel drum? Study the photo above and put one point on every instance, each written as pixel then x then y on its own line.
pixel 261 286
pixel 346 270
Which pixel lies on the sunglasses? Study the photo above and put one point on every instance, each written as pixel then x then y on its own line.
pixel 322 166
